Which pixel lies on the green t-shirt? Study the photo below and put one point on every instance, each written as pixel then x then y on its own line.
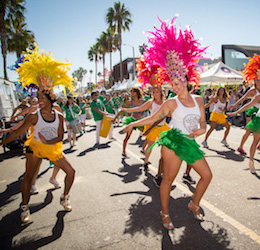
pixel 82 106
pixel 68 115
pixel 115 102
pixel 96 104
pixel 171 95
pixel 120 99
pixel 101 98
pixel 146 98
pixel 108 107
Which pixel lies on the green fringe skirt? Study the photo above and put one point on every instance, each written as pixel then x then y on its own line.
pixel 129 119
pixel 254 124
pixel 251 111
pixel 183 146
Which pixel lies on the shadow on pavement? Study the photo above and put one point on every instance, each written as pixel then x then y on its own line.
pixel 144 218
pixel 138 142
pixel 132 172
pixel 96 146
pixel 10 225
pixel 34 242
pixel 11 154
pixel 14 188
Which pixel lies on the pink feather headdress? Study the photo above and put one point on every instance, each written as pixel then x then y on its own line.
pixel 178 52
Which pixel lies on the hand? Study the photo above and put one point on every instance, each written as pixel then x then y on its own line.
pixel 197 132
pixel 128 128
pixel 42 138
pixel 122 110
pixel 4 131
pixel 12 119
pixel 231 113
pixel 231 107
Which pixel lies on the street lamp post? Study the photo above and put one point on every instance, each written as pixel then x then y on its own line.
pixel 133 59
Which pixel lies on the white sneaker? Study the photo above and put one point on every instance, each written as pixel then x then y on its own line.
pixel 34 189
pixel 65 202
pixel 251 167
pixel 25 215
pixel 55 183
pixel 224 142
pixel 205 144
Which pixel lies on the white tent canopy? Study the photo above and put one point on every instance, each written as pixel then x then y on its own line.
pixel 221 73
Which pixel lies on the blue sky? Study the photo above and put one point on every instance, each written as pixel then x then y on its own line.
pixel 69 28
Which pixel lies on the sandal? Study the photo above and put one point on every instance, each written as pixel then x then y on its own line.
pixel 199 216
pixel 168 226
pixel 252 167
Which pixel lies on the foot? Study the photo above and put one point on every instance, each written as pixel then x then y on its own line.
pixel 25 215
pixel 157 181
pixel 55 183
pixel 34 190
pixel 241 151
pixel 51 165
pixel 224 142
pixel 252 167
pixel 166 221
pixel 204 144
pixel 65 202
pixel 142 151
pixel 124 155
pixel 112 138
pixel 258 147
pixel 187 178
pixel 196 211
pixel 146 166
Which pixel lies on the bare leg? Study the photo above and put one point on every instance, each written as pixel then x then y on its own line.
pixel 35 176
pixel 172 165
pixel 227 126
pixel 160 168
pixel 32 164
pixel 254 145
pixel 188 169
pixel 55 172
pixel 74 139
pixel 212 127
pixel 65 165
pixel 244 138
pixel 147 154
pixel 126 140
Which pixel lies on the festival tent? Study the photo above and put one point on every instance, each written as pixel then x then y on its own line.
pixel 221 73
pixel 123 85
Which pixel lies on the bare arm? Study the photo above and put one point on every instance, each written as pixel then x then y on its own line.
pixel 141 108
pixel 167 107
pixel 99 111
pixel 243 98
pixel 210 102
pixel 28 121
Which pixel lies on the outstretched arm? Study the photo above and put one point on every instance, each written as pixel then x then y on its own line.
pixel 210 102
pixel 141 108
pixel 242 99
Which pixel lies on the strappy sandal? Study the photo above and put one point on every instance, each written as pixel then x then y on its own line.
pixel 169 225
pixel 199 216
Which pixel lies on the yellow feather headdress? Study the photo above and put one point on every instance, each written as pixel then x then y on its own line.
pixel 252 68
pixel 42 70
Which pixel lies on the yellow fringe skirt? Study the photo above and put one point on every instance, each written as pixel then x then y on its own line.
pixel 153 135
pixel 217 117
pixel 51 152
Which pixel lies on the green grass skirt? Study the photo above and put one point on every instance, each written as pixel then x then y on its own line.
pixel 251 111
pixel 129 119
pixel 254 124
pixel 183 146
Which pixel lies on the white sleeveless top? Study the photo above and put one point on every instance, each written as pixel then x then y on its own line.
pixel 258 104
pixel 155 107
pixel 218 105
pixel 48 129
pixel 186 118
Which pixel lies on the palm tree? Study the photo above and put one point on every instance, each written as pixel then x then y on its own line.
pixel 112 40
pixel 19 38
pixel 90 77
pixel 103 49
pixel 93 55
pixel 10 10
pixel 79 74
pixel 119 18
pixel 142 48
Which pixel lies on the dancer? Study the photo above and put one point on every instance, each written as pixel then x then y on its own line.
pixel 255 90
pixel 251 72
pixel 41 71
pixel 72 111
pixel 136 100
pixel 188 114
pixel 218 115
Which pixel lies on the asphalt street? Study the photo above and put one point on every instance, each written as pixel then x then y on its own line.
pixel 115 204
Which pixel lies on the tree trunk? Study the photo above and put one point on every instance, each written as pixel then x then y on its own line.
pixel 104 70
pixel 110 84
pixel 120 51
pixel 4 53
pixel 96 71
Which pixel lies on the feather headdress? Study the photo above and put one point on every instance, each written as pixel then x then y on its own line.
pixel 150 73
pixel 252 68
pixel 178 52
pixel 41 71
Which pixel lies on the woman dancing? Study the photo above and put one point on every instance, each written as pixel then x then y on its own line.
pixel 218 115
pixel 252 73
pixel 41 71
pixel 188 114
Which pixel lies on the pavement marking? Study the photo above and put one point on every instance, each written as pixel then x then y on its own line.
pixel 243 229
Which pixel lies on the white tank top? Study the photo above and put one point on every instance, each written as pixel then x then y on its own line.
pixel 48 129
pixel 218 105
pixel 258 104
pixel 155 107
pixel 186 118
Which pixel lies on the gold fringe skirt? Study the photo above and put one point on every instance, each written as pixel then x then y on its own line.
pixel 217 117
